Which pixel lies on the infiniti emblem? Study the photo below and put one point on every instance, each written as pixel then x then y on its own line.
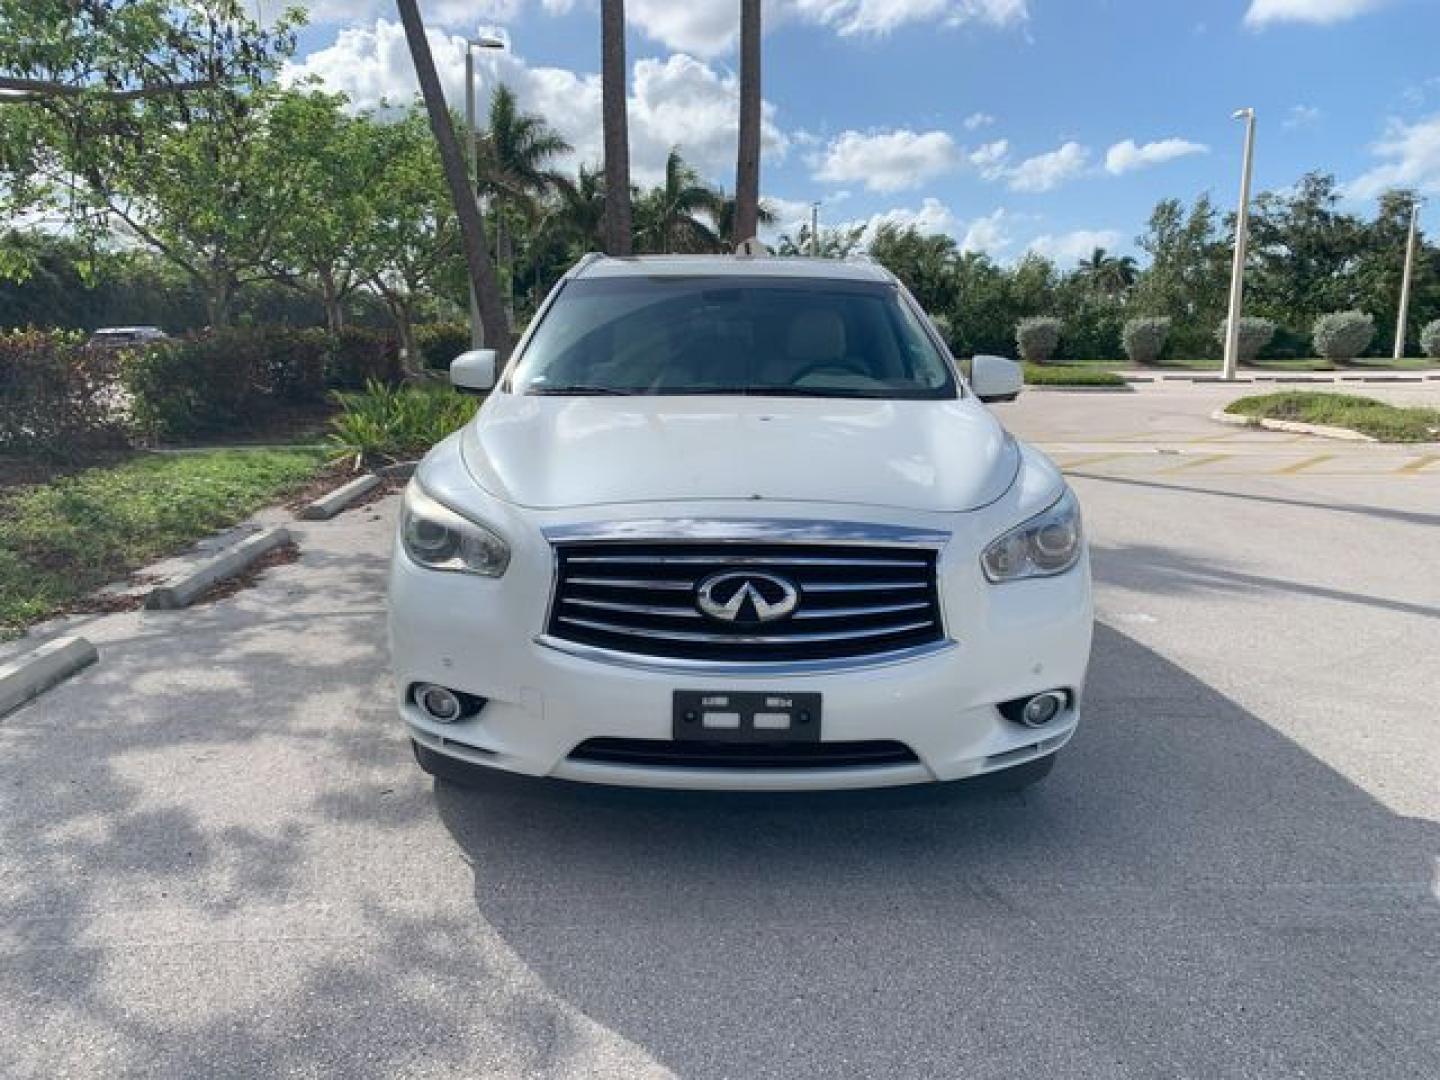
pixel 747 596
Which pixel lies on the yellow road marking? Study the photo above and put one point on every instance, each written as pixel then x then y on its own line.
pixel 1302 465
pixel 1093 459
pixel 1419 464
pixel 1195 463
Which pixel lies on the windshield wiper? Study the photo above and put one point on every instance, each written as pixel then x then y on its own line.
pixel 812 391
pixel 579 390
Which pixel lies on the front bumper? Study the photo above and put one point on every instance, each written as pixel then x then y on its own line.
pixel 482 636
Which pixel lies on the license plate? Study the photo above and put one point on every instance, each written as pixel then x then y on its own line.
pixel 746 716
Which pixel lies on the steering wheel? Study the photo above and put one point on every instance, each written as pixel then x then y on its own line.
pixel 843 366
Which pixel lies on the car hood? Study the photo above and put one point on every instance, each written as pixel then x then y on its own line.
pixel 557 452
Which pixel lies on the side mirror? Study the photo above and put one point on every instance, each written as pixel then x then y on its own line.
pixel 473 372
pixel 993 378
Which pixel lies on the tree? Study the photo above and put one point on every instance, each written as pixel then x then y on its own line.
pixel 1188 276
pixel 1109 274
pixel 472 229
pixel 673 217
pixel 158 132
pixel 726 217
pixel 747 166
pixel 615 121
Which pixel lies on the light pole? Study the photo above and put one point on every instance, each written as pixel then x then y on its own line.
pixel 1406 278
pixel 814 230
pixel 484 41
pixel 1242 236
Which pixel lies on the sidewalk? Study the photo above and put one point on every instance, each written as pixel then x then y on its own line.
pixel 1256 375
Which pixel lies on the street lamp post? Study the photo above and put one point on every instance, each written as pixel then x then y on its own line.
pixel 1405 280
pixel 1242 236
pixel 485 41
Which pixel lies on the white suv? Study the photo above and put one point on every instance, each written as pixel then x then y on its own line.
pixel 738 523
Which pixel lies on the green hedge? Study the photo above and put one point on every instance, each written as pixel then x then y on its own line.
pixel 57 398
pixel 439 343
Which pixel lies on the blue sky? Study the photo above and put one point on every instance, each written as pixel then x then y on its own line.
pixel 1013 125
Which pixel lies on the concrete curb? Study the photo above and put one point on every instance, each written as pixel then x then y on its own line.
pixel 327 506
pixel 30 674
pixel 400 470
pixel 1051 388
pixel 1294 427
pixel 182 591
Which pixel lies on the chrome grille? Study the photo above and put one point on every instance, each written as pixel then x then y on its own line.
pixel 639 597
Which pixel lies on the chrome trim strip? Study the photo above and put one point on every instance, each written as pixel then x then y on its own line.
pixel 742 668
pixel 632 583
pixel 634 609
pixel 858 612
pixel 861 586
pixel 738 560
pixel 744 639
pixel 747 530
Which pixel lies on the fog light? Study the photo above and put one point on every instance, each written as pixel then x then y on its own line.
pixel 439 704
pixel 1042 708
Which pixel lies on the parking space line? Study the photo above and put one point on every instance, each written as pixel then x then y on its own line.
pixel 1093 459
pixel 1420 464
pixel 1303 464
pixel 1196 463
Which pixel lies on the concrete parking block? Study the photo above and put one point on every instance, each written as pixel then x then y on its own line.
pixel 31 674
pixel 182 591
pixel 327 506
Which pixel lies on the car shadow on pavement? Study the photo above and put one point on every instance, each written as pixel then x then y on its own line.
pixel 1190 893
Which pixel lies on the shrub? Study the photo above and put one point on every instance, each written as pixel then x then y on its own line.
pixel 1343 335
pixel 1091 333
pixel 359 357
pixel 57 398
pixel 292 362
pixel 1255 334
pixel 439 343
pixel 1037 338
pixel 194 386
pixel 1430 339
pixel 397 422
pixel 1144 338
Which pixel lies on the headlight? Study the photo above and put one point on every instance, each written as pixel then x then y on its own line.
pixel 1049 543
pixel 438 538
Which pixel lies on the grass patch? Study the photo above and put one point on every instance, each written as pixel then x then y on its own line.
pixel 62 540
pixel 1070 375
pixel 1378 419
pixel 396 423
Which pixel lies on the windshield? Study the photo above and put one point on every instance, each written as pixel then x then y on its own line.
pixel 732 335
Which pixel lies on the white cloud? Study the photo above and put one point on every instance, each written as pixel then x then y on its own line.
pixel 448 13
pixel 1071 246
pixel 676 101
pixel 991 159
pixel 1301 116
pixel 1126 157
pixel 1265 12
pixel 931 218
pixel 1045 172
pixel 883 16
pixel 885 160
pixel 1410 157
pixel 988 234
pixel 977 120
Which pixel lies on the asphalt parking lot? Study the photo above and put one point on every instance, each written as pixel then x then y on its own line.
pixel 217 858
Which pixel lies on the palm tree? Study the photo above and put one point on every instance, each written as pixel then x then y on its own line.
pixel 452 161
pixel 747 165
pixel 577 215
pixel 615 121
pixel 726 217
pixel 672 217
pixel 512 159
pixel 1111 274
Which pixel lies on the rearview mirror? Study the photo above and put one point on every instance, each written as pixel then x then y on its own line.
pixel 993 378
pixel 473 372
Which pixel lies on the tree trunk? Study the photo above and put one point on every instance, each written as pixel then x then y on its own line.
pixel 747 167
pixel 330 295
pixel 615 116
pixel 467 212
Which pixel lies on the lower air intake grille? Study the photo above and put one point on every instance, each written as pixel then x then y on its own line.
pixel 645 597
pixel 662 753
